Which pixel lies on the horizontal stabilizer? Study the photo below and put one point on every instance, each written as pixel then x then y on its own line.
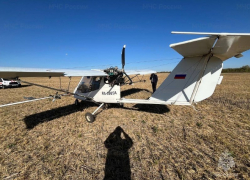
pixel 228 45
pixel 212 34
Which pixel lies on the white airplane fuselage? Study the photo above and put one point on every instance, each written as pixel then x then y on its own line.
pixel 95 88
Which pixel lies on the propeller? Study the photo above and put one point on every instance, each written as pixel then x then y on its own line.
pixel 123 64
pixel 123 57
pixel 115 75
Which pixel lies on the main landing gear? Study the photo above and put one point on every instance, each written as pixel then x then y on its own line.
pixel 77 103
pixel 90 117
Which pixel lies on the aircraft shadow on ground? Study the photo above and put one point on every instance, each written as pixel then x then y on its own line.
pixel 152 108
pixel 117 164
pixel 25 85
pixel 132 91
pixel 33 120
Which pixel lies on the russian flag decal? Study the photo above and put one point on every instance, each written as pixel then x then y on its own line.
pixel 180 76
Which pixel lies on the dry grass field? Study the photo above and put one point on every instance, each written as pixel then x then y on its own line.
pixel 52 140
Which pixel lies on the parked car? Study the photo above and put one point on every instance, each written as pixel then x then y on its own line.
pixel 4 83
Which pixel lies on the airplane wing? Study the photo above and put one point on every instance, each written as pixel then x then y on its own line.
pixel 12 72
pixel 140 72
pixel 228 45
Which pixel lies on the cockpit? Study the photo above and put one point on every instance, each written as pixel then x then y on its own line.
pixel 89 83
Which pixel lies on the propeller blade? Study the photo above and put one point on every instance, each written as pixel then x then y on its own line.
pixel 123 56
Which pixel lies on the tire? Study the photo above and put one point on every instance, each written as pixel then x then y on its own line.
pixel 106 106
pixel 77 102
pixel 19 85
pixel 89 117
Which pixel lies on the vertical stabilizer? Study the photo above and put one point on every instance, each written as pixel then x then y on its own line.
pixel 193 79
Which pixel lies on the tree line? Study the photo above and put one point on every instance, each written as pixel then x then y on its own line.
pixel 245 68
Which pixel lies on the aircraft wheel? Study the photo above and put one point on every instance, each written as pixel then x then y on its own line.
pixel 106 106
pixel 77 102
pixel 89 117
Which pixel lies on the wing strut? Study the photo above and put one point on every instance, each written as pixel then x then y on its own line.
pixel 60 90
pixel 139 80
pixel 21 102
pixel 31 99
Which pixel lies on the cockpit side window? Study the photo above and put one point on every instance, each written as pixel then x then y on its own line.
pixel 95 83
pixel 89 83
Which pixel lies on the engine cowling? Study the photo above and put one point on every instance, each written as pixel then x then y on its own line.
pixel 115 76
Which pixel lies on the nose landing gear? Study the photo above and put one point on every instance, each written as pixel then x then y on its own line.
pixel 90 117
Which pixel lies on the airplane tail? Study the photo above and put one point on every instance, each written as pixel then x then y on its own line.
pixel 196 76
pixel 193 80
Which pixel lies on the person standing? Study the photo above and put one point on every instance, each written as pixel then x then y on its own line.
pixel 154 79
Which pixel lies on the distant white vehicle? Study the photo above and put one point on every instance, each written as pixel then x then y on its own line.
pixel 4 83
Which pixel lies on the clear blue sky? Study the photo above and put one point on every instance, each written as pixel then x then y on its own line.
pixel 90 34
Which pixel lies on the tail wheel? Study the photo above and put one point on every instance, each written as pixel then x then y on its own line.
pixel 89 117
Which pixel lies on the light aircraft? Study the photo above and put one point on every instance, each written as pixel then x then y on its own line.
pixel 192 80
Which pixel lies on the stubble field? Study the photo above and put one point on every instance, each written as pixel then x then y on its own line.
pixel 52 140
